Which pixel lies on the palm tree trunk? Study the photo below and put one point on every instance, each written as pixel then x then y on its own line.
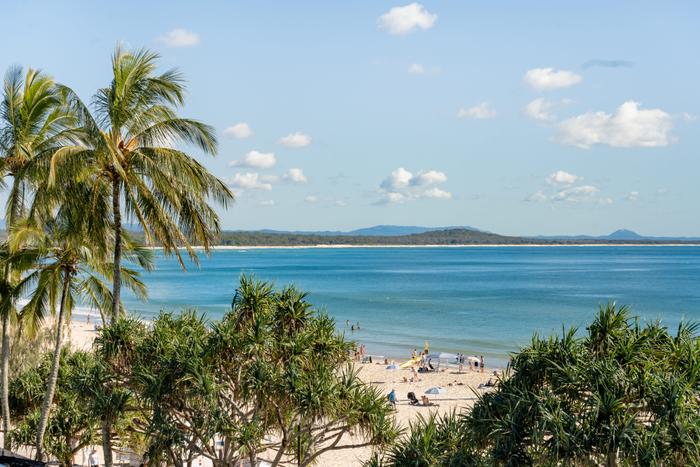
pixel 53 376
pixel 107 442
pixel 117 279
pixel 5 379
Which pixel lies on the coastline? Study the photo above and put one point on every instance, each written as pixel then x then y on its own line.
pixel 466 245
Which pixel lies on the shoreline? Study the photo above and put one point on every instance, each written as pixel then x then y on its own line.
pixel 467 245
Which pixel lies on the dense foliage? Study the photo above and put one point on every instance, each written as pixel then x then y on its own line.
pixel 72 172
pixel 272 378
pixel 455 236
pixel 623 394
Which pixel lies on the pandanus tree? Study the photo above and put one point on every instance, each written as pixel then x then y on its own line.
pixel 33 123
pixel 71 262
pixel 73 424
pixel 624 393
pixel 129 151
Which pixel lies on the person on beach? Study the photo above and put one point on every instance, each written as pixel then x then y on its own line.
pixel 352 328
pixel 481 363
pixel 415 378
pixel 414 354
pixel 92 459
pixel 392 398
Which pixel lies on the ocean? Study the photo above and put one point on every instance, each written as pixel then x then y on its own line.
pixel 475 300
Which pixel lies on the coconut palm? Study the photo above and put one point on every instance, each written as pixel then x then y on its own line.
pixel 128 152
pixel 10 293
pixel 33 121
pixel 71 262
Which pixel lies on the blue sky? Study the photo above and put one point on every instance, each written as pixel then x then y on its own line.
pixel 515 117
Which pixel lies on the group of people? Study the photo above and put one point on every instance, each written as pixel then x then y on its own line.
pixel 359 353
pixel 412 399
pixel 478 363
pixel 353 327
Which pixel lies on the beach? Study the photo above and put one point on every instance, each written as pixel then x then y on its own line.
pixel 459 393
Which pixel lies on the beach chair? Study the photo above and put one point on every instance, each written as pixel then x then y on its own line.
pixel 412 399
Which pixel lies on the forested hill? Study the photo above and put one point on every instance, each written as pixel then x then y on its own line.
pixel 438 237
pixel 450 236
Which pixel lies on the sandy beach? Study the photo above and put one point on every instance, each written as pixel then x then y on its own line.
pixel 459 391
pixel 459 395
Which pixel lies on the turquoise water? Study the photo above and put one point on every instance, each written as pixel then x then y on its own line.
pixel 474 300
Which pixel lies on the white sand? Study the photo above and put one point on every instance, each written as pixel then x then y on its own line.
pixel 459 396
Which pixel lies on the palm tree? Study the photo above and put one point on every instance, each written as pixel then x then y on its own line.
pixel 33 122
pixel 10 293
pixel 71 261
pixel 128 150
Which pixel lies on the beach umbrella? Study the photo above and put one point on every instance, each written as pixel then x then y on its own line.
pixel 447 356
pixel 473 359
pixel 436 390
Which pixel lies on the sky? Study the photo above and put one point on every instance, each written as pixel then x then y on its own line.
pixel 520 118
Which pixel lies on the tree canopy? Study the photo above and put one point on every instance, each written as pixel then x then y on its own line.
pixel 624 393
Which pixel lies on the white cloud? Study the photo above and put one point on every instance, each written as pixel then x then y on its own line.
pixel 576 194
pixel 549 78
pixel 268 202
pixel 561 177
pixel 539 109
pixel 179 38
pixel 428 177
pixel 311 199
pixel 480 112
pixel 628 127
pixel 249 181
pixel 239 131
pixel 256 160
pixel 688 117
pixel 406 19
pixel 340 203
pixel 392 197
pixel 632 196
pixel 561 186
pixel 436 192
pixel 295 175
pixel 296 140
pixel 399 178
pixel 402 185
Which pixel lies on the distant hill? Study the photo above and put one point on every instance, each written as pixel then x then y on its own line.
pixel 459 236
pixel 375 231
pixel 621 234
